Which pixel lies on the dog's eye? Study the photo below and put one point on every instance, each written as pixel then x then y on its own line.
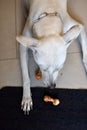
pixel 59 68
pixel 35 51
pixel 45 69
pixel 56 69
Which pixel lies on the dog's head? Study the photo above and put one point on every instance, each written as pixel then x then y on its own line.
pixel 49 53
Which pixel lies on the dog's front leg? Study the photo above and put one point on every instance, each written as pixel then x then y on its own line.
pixel 83 40
pixel 73 29
pixel 26 103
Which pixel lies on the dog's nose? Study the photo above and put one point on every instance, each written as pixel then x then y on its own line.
pixel 52 86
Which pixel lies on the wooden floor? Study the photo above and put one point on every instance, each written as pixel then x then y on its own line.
pixel 11 24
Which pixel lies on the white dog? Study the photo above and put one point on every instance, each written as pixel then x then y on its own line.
pixel 48 32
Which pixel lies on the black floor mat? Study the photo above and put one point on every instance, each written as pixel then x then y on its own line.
pixel 71 114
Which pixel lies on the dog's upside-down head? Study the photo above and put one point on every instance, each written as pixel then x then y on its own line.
pixel 49 53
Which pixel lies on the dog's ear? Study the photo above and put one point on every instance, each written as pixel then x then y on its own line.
pixel 71 35
pixel 67 40
pixel 27 41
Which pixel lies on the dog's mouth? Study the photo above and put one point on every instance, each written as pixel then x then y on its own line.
pixel 52 86
pixel 38 75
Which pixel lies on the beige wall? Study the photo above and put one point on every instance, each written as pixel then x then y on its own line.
pixel 9 64
pixel 11 24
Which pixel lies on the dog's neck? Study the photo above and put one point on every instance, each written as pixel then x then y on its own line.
pixel 43 15
pixel 47 24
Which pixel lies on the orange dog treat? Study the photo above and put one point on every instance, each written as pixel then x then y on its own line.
pixel 38 75
pixel 55 102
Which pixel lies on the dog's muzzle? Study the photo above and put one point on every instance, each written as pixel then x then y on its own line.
pixel 52 86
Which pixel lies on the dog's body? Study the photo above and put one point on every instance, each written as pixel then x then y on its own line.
pixel 48 31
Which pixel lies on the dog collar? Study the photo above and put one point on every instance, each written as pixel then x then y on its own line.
pixel 45 14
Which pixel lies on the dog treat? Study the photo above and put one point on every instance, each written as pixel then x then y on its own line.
pixel 55 101
pixel 38 75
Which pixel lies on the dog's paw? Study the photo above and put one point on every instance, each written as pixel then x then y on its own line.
pixel 26 105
